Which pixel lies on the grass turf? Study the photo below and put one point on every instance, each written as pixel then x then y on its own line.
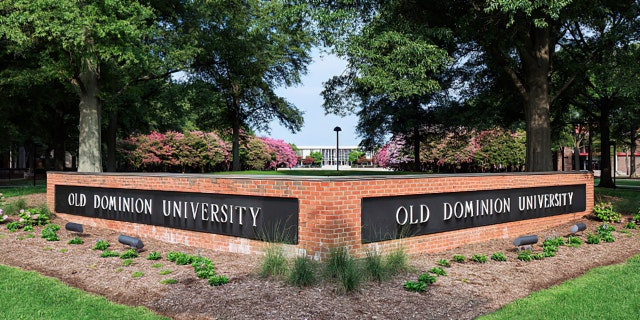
pixel 28 295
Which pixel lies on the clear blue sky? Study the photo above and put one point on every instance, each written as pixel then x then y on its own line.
pixel 318 127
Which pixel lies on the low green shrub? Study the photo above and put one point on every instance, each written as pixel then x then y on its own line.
pixel 574 241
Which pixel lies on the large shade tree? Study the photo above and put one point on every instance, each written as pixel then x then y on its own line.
pixel 248 48
pixel 515 40
pixel 75 42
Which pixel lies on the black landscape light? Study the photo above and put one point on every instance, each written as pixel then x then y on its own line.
pixel 337 130
pixel 74 227
pixel 525 242
pixel 580 226
pixel 134 243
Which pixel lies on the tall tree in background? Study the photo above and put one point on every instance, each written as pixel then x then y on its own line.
pixel 248 48
pixel 604 49
pixel 393 74
pixel 515 40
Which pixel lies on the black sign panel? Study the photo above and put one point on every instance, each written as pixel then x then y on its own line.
pixel 395 217
pixel 252 217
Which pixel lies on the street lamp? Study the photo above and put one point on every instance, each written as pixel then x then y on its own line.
pixel 337 130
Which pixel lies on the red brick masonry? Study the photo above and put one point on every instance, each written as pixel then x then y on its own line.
pixel 329 207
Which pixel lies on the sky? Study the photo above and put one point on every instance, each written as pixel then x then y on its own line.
pixel 318 127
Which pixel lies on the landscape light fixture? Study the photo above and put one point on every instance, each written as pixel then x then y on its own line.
pixel 74 227
pixel 337 130
pixel 134 243
pixel 580 226
pixel 525 242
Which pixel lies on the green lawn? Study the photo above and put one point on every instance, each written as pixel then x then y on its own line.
pixel 318 172
pixel 13 188
pixel 610 292
pixel 28 295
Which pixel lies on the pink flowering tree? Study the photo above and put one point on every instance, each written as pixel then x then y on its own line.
pixel 174 152
pixel 281 154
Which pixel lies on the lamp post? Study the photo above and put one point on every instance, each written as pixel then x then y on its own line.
pixel 337 130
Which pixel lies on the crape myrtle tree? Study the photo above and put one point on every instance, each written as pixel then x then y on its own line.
pixel 77 42
pixel 247 49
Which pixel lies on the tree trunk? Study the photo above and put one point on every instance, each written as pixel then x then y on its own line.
pixel 632 166
pixel 235 139
pixel 536 65
pixel 89 150
pixel 58 134
pixel 606 180
pixel 416 149
pixel 112 133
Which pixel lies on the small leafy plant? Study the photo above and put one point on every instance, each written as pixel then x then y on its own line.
pixel 427 279
pixel 129 254
pixel 593 238
pixel 605 212
pixel 109 254
pixel 164 272
pixel 478 258
pixel 154 256
pixel 438 271
pixel 444 263
pixel 101 245
pixel 631 225
pixel 127 262
pixel 168 281
pixel 459 258
pixel 49 232
pixel 14 226
pixel 498 256
pixel 137 274
pixel 415 286
pixel 574 241
pixel 218 280
pixel 76 240
pixel 525 255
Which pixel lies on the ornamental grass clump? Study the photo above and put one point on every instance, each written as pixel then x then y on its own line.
pixel 303 272
pixel 343 268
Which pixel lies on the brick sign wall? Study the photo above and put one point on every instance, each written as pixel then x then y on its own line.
pixel 423 213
